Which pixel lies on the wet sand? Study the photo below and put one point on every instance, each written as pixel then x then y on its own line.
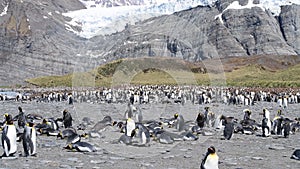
pixel 242 151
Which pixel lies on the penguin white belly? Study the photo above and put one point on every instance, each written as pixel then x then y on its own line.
pixel 33 138
pixel 212 162
pixel 285 102
pixel 137 117
pixel 144 138
pixel 130 126
pixel 84 149
pixel 280 103
pixel 246 102
pixel 268 132
pixel 12 136
pixel 5 146
pixel 219 125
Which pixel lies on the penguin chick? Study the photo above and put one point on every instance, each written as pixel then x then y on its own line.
pixel 188 136
pixel 200 120
pixel 124 139
pixel 66 133
pixel 67 119
pixel 163 137
pixel 101 125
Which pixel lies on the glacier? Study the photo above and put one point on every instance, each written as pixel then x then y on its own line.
pixel 97 20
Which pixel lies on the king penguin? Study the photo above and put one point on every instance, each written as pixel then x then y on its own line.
pixel 143 134
pixel 9 137
pixel 266 123
pixel 296 154
pixel 180 123
pixel 129 112
pixel 29 139
pixel 21 118
pixel 211 159
pixel 229 127
pixel 139 115
pixel 81 147
pixel 286 127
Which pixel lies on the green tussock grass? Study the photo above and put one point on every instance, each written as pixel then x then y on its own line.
pixel 172 72
pixel 257 76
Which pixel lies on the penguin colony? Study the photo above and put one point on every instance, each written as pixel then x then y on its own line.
pixel 137 131
pixel 156 93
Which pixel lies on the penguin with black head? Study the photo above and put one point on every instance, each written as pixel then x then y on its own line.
pixel 81 147
pixel 286 127
pixel 70 98
pixel 21 118
pixel 266 123
pixel 229 126
pixel 277 123
pixel 143 134
pixel 9 137
pixel 211 159
pixel 29 139
pixel 296 155
pixel 179 123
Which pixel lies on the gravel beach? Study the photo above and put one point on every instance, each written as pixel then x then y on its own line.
pixel 242 151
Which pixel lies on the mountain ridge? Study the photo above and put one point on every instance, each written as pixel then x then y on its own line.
pixel 30 49
pixel 196 35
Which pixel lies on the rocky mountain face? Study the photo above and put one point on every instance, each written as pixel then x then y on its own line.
pixel 217 31
pixel 289 20
pixel 36 39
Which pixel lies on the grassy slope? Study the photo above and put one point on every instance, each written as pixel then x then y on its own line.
pixel 257 76
pixel 252 75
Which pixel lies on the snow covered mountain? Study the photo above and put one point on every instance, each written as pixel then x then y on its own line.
pixel 114 3
pixel 221 29
pixel 103 17
pixel 274 5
